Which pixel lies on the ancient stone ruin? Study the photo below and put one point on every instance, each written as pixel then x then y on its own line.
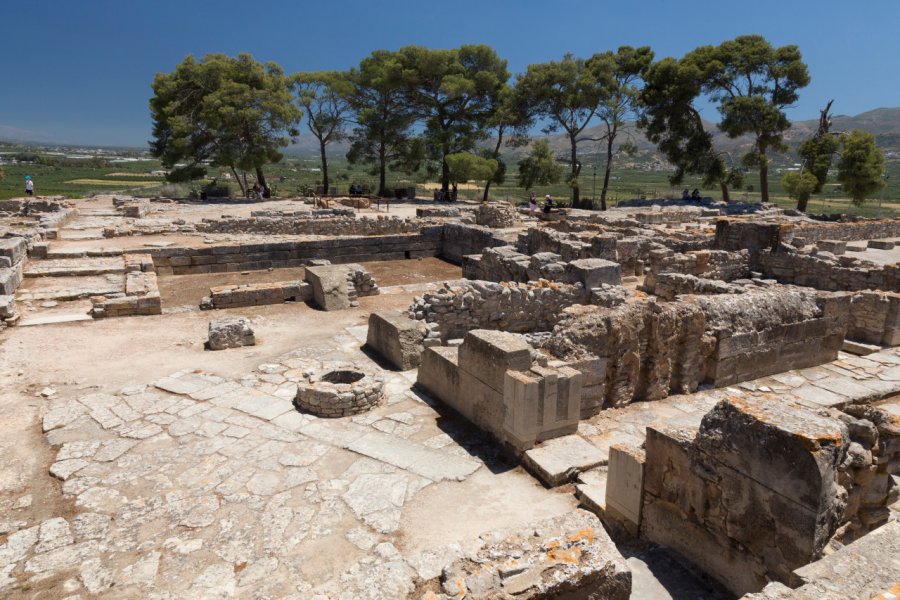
pixel 664 399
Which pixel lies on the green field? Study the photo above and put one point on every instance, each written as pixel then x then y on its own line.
pixel 80 178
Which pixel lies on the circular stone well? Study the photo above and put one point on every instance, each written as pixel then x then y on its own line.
pixel 339 392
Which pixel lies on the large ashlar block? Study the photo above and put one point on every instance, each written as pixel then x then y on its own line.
pixel 397 338
pixel 625 485
pixel 594 272
pixel 329 286
pixel 751 494
pixel 487 355
pixel 490 380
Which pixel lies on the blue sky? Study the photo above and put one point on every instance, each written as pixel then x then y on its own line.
pixel 80 71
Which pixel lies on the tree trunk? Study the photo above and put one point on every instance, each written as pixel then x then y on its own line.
pixel 382 171
pixel 763 176
pixel 496 156
pixel 238 179
pixel 261 179
pixel 725 196
pixel 324 167
pixel 609 161
pixel 445 176
pixel 575 169
pixel 802 201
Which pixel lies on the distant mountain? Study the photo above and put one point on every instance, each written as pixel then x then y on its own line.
pixel 883 122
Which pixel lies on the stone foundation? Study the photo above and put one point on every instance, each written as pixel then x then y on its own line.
pixel 875 318
pixel 513 307
pixel 493 382
pixel 498 215
pixel 256 294
pixel 644 349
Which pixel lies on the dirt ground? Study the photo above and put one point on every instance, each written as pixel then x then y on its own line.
pixel 188 290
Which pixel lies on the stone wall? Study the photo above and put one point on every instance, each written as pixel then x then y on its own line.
pixel 256 294
pixel 505 264
pixel 742 234
pixel 708 264
pixel 644 349
pixel 13 256
pixel 343 226
pixel 514 307
pixel 667 286
pixel 861 229
pixel 762 485
pixel 458 240
pixel 498 215
pixel 875 318
pixel 141 296
pixel 256 256
pixel 748 496
pixel 826 272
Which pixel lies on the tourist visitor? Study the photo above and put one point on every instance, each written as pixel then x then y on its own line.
pixel 29 186
pixel 532 204
pixel 548 205
pixel 685 194
pixel 695 195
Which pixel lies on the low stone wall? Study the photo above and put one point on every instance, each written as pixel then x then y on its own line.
pixel 342 226
pixel 644 349
pixel 862 229
pixel 141 297
pixel 505 264
pixel 256 294
pixel 256 256
pixel 316 213
pixel 825 272
pixel 875 318
pixel 498 215
pixel 458 240
pixel 513 307
pixel 708 264
pixel 16 206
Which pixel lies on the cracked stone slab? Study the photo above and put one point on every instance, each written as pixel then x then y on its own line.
pixel 416 458
pixel 559 460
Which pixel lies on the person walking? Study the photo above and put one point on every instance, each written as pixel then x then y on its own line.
pixel 29 186
pixel 532 205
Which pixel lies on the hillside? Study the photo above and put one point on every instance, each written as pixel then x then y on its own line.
pixel 883 122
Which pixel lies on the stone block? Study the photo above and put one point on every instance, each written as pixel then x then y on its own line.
pixel 7 307
pixel 439 374
pixel 881 244
pixel 13 248
pixel 594 272
pixel 397 338
pixel 230 332
pixel 625 485
pixel 487 355
pixel 833 246
pixel 559 460
pixel 329 287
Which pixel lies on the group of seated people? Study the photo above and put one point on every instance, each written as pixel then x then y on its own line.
pixel 695 195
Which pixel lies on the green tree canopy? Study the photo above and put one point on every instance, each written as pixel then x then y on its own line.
pixel 752 82
pixel 382 136
pixel 672 121
pixel 800 185
pixel 861 166
pixel 621 99
pixel 229 112
pixel 455 94
pixel 540 167
pixel 465 166
pixel 567 93
pixel 324 96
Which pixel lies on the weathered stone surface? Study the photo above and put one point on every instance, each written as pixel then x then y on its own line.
pixel 329 287
pixel 230 332
pixel 566 556
pixel 559 460
pixel 397 338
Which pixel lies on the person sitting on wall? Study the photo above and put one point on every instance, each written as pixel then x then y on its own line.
pixel 548 206
pixel 685 194
pixel 695 195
